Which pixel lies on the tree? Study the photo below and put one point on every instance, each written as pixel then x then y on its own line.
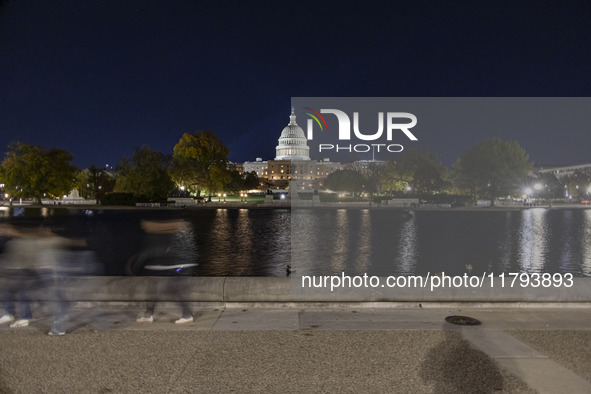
pixel 200 163
pixel 95 182
pixel 375 175
pixel 393 179
pixel 30 171
pixel 425 173
pixel 578 184
pixel 145 175
pixel 419 170
pixel 251 181
pixel 240 182
pixel 492 168
pixel 345 181
pixel 236 183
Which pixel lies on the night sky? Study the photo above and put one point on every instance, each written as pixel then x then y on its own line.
pixel 99 78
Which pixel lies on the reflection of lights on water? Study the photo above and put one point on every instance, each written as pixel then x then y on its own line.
pixel 585 241
pixel 363 260
pixel 44 212
pixel 407 254
pixel 89 212
pixel 340 241
pixel 534 234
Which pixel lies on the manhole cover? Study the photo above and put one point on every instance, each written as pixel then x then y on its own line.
pixel 462 320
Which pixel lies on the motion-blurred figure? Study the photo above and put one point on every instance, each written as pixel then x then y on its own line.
pixel 36 259
pixel 160 255
pixel 19 265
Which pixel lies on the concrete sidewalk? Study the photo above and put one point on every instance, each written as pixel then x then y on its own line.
pixel 302 350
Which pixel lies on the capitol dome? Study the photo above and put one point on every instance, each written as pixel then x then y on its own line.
pixel 292 143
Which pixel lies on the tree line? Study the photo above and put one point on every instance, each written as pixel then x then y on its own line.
pixel 199 166
pixel 489 170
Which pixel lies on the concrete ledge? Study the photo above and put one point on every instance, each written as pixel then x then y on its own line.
pixel 257 289
pixel 281 291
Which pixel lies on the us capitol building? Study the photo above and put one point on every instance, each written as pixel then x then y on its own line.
pixel 292 162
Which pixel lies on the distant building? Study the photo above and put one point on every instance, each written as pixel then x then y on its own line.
pixel 363 166
pixel 238 167
pixel 561 172
pixel 258 166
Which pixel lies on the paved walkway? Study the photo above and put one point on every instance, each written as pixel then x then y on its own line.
pixel 311 350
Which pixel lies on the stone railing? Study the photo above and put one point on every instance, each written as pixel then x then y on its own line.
pixel 283 290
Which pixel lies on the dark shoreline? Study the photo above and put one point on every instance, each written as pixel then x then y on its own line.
pixel 248 205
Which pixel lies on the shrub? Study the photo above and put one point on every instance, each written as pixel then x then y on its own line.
pixel 119 199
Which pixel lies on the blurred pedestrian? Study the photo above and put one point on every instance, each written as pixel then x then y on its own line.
pixel 162 253
pixel 18 268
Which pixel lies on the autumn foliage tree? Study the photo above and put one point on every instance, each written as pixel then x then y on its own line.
pixel 29 171
pixel 200 162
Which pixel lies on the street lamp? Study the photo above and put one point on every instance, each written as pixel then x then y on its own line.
pixel 527 192
pixel 224 197
pixel 219 197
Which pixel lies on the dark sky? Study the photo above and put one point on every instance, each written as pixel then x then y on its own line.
pixel 99 78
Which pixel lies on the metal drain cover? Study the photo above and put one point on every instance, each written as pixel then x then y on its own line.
pixel 462 320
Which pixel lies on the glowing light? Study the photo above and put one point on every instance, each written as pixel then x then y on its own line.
pixel 538 186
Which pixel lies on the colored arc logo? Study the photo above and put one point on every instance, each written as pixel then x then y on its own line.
pixel 315 117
